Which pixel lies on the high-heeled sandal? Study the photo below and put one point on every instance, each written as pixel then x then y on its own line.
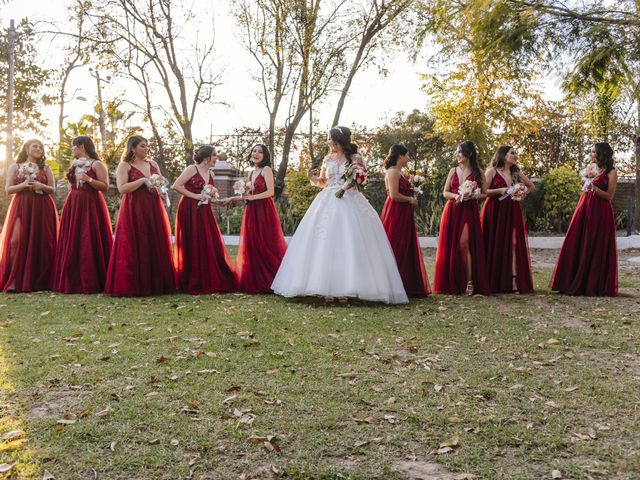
pixel 469 287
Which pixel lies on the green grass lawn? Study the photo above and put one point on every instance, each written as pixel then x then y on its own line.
pixel 234 386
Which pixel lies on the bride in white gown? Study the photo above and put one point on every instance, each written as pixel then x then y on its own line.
pixel 340 248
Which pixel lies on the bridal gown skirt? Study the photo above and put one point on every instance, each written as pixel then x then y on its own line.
pixel 340 249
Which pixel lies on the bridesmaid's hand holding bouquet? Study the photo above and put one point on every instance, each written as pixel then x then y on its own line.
pixel 161 185
pixel 209 192
pixel 588 174
pixel 467 190
pixel 417 184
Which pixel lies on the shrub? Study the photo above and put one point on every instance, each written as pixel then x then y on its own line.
pixel 300 193
pixel 561 192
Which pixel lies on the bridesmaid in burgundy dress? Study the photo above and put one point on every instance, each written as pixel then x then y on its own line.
pixel 398 222
pixel 140 262
pixel 505 235
pixel 85 238
pixel 201 259
pixel 262 243
pixel 588 261
pixel 28 240
pixel 460 260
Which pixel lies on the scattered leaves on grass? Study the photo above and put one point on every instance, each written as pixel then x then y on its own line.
pixel 5 467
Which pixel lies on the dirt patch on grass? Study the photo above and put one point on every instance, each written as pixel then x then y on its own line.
pixel 423 470
pixel 54 403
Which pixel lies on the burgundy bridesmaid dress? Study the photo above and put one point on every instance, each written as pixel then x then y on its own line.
pixel 262 243
pixel 588 261
pixel 201 259
pixel 84 241
pixel 398 222
pixel 140 262
pixel 450 274
pixel 500 220
pixel 27 265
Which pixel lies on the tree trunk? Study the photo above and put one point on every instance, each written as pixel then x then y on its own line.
pixel 636 215
pixel 286 150
pixel 347 85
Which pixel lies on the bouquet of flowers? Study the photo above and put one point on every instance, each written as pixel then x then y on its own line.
pixel 588 174
pixel 517 191
pixel 466 189
pixel 417 184
pixel 242 187
pixel 27 171
pixel 354 176
pixel 209 192
pixel 161 185
pixel 80 165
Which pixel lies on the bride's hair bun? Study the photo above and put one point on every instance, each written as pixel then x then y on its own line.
pixel 342 136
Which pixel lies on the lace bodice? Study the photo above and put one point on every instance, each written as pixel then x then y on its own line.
pixel 334 171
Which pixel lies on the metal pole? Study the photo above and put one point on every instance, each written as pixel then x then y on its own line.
pixel 103 132
pixel 10 85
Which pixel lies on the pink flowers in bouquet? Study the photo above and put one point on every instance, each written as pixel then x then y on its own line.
pixel 590 172
pixel 209 192
pixel 467 189
pixel 161 185
pixel 417 184
pixel 517 191
pixel 242 187
pixel 355 176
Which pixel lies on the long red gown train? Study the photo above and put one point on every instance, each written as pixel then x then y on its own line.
pixel 588 260
pixel 201 259
pixel 398 222
pixel 261 245
pixel 84 242
pixel 140 262
pixel 27 264
pixel 501 220
pixel 450 274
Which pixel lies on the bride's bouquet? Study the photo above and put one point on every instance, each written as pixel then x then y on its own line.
pixel 517 191
pixel 417 182
pixel 242 187
pixel 467 189
pixel 588 174
pixel 209 192
pixel 161 185
pixel 355 176
pixel 80 166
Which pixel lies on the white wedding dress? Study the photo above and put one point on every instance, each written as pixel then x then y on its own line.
pixel 340 249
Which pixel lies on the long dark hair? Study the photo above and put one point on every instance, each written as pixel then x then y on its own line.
pixel 468 149
pixel 23 156
pixel 396 151
pixel 604 156
pixel 266 155
pixel 133 142
pixel 342 136
pixel 203 152
pixel 499 160
pixel 88 145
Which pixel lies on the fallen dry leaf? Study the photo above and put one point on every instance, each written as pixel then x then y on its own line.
pixel 451 442
pixel 363 420
pixel 13 435
pixel 5 467
pixel 105 412
pixel 444 450
pixel 464 476
pixel 47 476
pixel 556 474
